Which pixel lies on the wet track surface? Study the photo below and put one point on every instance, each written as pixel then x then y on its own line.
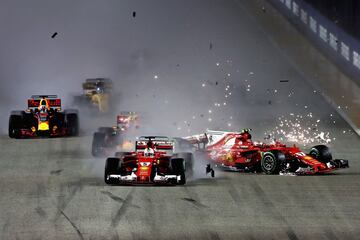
pixel 54 188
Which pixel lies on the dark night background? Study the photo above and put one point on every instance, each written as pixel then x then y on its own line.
pixel 345 13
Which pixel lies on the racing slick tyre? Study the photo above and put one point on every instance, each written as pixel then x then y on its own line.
pixel 112 166
pixel 188 159
pixel 72 123
pixel 106 130
pixel 178 168
pixel 15 123
pixel 272 162
pixel 97 144
pixel 321 153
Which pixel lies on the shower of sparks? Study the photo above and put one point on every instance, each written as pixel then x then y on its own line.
pixel 301 129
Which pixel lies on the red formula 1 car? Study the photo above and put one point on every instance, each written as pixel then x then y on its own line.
pixel 43 118
pixel 236 151
pixel 153 162
pixel 108 139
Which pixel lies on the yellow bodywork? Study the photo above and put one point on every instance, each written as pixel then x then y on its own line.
pixel 101 100
pixel 43 126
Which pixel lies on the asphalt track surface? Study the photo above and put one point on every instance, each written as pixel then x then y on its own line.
pixel 54 189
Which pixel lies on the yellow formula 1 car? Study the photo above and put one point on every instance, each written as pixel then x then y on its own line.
pixel 96 94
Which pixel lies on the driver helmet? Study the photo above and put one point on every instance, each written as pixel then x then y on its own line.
pixel 149 144
pixel 43 106
pixel 245 135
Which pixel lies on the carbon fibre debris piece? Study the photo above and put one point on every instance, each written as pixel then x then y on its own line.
pixel 54 35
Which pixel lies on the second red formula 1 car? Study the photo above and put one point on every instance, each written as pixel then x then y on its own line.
pixel 152 162
pixel 43 118
pixel 108 139
pixel 236 151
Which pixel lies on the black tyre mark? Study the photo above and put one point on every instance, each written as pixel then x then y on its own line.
pixel 196 203
pixel 56 172
pixel 73 225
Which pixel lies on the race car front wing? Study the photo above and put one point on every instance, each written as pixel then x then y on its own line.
pixel 133 178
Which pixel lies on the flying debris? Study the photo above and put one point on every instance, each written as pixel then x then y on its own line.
pixel 134 14
pixel 210 170
pixel 54 35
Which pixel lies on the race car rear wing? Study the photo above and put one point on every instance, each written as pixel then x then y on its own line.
pixel 200 141
pixel 53 102
pixel 126 118
pixel 96 84
pixel 161 144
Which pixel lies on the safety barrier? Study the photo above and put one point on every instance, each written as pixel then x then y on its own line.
pixel 342 90
pixel 340 46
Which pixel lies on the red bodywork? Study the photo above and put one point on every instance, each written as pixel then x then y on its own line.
pixel 237 151
pixel 144 166
pixel 125 120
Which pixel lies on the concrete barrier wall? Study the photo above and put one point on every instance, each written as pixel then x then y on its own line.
pixel 340 88
pixel 333 41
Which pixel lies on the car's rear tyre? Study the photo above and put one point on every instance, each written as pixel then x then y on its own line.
pixel 106 130
pixel 15 123
pixel 188 160
pixel 321 153
pixel 178 168
pixel 98 144
pixel 72 123
pixel 272 162
pixel 112 166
